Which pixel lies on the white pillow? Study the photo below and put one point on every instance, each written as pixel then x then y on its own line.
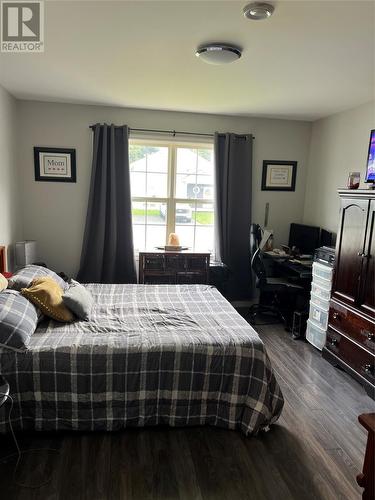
pixel 3 282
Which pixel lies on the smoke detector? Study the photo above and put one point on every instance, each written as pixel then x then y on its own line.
pixel 258 11
pixel 218 53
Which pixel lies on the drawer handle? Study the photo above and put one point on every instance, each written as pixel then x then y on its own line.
pixel 364 255
pixel 368 368
pixel 336 315
pixel 334 342
pixel 370 336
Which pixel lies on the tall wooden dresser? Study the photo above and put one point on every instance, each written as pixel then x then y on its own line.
pixel 351 324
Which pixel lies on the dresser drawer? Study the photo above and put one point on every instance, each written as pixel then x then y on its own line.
pixel 197 263
pixel 354 326
pixel 175 262
pixel 356 357
pixel 192 278
pixel 154 263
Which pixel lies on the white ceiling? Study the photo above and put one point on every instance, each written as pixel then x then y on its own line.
pixel 310 59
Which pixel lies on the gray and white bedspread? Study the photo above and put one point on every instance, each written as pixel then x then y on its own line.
pixel 152 354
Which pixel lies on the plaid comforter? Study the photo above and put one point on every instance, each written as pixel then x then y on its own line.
pixel 152 354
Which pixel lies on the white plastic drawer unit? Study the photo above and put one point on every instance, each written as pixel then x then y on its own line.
pixel 322 283
pixel 319 302
pixel 315 335
pixel 320 292
pixel 322 271
pixel 318 316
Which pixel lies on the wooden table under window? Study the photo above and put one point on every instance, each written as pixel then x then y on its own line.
pixel 164 267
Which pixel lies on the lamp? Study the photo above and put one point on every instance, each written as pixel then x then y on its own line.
pixel 218 53
pixel 25 253
pixel 258 11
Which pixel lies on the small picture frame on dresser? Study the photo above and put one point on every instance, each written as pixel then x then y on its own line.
pixel 55 164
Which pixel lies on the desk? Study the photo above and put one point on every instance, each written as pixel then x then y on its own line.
pixel 284 265
pixel 294 272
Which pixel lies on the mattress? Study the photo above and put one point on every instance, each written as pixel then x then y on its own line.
pixel 178 355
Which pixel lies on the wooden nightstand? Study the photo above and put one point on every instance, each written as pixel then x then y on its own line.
pixel 161 267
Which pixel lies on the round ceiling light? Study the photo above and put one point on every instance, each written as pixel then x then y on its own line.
pixel 258 11
pixel 218 53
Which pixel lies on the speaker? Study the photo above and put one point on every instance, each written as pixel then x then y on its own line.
pixel 25 253
pixel 299 324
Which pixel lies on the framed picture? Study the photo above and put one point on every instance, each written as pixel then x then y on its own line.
pixel 279 175
pixel 55 164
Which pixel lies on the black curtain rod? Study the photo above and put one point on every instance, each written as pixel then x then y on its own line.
pixel 172 132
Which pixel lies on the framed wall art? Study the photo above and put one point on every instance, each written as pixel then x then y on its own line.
pixel 279 175
pixel 55 164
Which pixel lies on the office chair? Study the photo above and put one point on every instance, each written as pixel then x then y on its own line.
pixel 277 295
pixel 255 238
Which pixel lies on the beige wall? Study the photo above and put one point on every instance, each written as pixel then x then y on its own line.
pixel 54 213
pixel 10 199
pixel 339 145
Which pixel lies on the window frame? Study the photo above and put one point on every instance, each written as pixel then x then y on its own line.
pixel 171 201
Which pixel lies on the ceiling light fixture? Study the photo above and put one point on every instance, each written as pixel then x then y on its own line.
pixel 218 53
pixel 258 11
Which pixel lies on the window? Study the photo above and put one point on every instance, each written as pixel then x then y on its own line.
pixel 172 189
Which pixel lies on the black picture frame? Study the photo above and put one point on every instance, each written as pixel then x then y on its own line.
pixel 58 176
pixel 290 186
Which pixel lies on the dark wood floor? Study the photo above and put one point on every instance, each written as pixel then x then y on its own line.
pixel 315 450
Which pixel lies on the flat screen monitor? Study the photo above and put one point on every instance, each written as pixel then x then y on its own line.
pixel 305 238
pixel 370 169
pixel 326 238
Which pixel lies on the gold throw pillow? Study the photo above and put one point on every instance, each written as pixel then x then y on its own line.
pixel 46 294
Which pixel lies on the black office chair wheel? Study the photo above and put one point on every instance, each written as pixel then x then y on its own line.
pixel 256 309
pixel 4 389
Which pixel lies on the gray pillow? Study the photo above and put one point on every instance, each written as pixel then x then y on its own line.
pixel 23 277
pixel 79 300
pixel 18 320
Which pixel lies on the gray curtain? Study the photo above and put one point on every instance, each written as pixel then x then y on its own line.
pixel 107 252
pixel 233 168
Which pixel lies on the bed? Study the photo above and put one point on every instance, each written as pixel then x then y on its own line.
pixel 178 355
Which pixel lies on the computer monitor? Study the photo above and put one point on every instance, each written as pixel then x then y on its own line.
pixel 326 238
pixel 305 238
pixel 370 169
